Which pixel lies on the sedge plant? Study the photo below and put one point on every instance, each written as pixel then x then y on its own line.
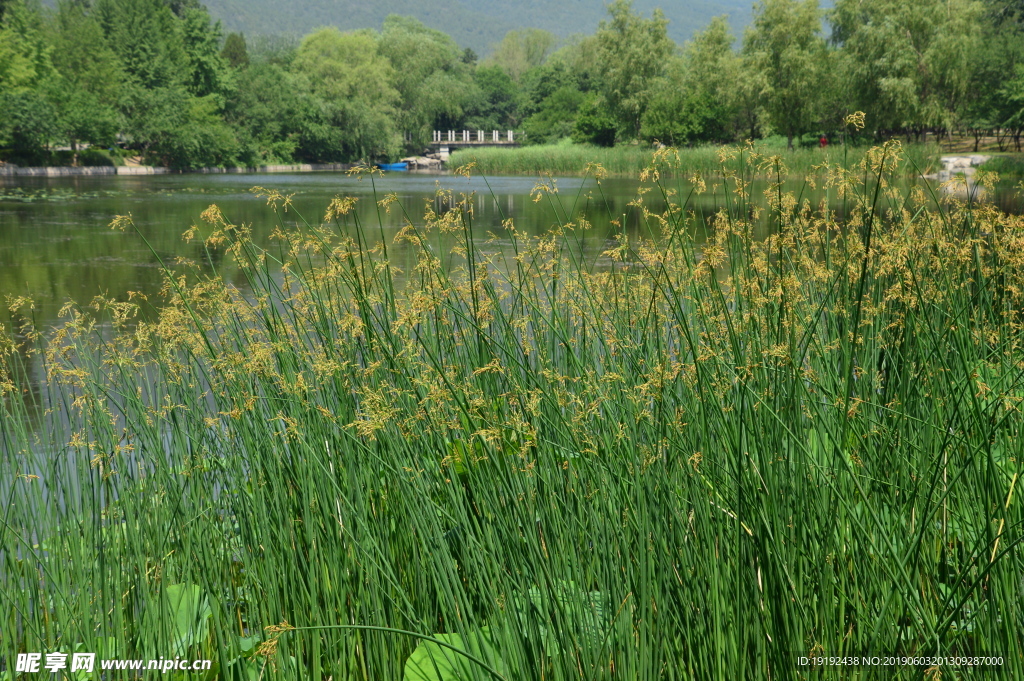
pixel 686 459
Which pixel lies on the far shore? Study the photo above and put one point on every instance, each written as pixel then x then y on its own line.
pixel 10 170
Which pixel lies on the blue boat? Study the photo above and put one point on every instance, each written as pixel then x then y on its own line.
pixel 393 166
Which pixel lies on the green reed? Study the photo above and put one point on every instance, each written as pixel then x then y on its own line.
pixel 630 160
pixel 676 462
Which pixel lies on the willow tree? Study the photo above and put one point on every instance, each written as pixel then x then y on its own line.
pixel 357 87
pixel 434 82
pixel 909 64
pixel 522 50
pixel 633 52
pixel 697 98
pixel 784 48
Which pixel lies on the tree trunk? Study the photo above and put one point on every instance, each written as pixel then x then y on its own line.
pixel 790 141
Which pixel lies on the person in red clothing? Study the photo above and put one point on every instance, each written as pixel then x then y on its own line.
pixel 823 142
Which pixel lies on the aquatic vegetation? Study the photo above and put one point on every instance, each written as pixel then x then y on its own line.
pixel 630 161
pixel 683 460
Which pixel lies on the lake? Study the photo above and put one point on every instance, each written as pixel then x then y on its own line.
pixel 56 244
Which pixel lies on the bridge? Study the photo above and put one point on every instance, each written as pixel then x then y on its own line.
pixel 445 140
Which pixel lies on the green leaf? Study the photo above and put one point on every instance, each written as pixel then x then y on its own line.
pixel 190 612
pixel 568 613
pixel 433 662
pixel 247 644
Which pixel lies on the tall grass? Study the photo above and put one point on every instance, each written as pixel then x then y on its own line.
pixel 575 159
pixel 1006 165
pixel 556 159
pixel 676 462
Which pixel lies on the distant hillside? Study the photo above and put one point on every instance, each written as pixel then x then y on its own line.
pixel 477 24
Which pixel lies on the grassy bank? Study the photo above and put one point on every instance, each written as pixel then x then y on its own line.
pixel 678 462
pixel 629 161
pixel 1007 165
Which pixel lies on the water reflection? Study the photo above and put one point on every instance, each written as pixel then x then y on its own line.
pixel 56 245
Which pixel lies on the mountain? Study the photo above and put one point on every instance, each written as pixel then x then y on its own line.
pixel 477 24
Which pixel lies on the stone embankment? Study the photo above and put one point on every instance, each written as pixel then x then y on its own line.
pixel 963 167
pixel 11 170
pixel 68 171
pixel 957 165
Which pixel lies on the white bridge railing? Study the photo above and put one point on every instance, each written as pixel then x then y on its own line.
pixel 473 136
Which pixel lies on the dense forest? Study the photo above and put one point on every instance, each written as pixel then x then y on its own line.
pixel 90 81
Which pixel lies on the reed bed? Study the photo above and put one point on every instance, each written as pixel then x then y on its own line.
pixel 630 161
pixel 680 461
pixel 555 159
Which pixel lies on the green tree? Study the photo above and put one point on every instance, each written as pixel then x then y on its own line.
pixel 714 73
pixel 1005 47
pixel 180 7
pixel 562 89
pixel 521 50
pixel 81 54
pixel 175 129
pixel 786 51
pixel 81 116
pixel 208 71
pixel 235 52
pixel 581 57
pixel 434 82
pixel 87 90
pixel 25 58
pixel 498 107
pixel 674 115
pixel 986 106
pixel 632 53
pixel 696 98
pixel 273 49
pixel 555 117
pixel 908 64
pixel 1006 12
pixel 26 116
pixel 553 100
pixel 27 125
pixel 1012 94
pixel 268 110
pixel 594 125
pixel 356 83
pixel 146 37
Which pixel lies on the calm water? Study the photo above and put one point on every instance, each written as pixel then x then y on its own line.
pixel 56 244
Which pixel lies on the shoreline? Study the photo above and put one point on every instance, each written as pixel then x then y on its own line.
pixel 72 171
